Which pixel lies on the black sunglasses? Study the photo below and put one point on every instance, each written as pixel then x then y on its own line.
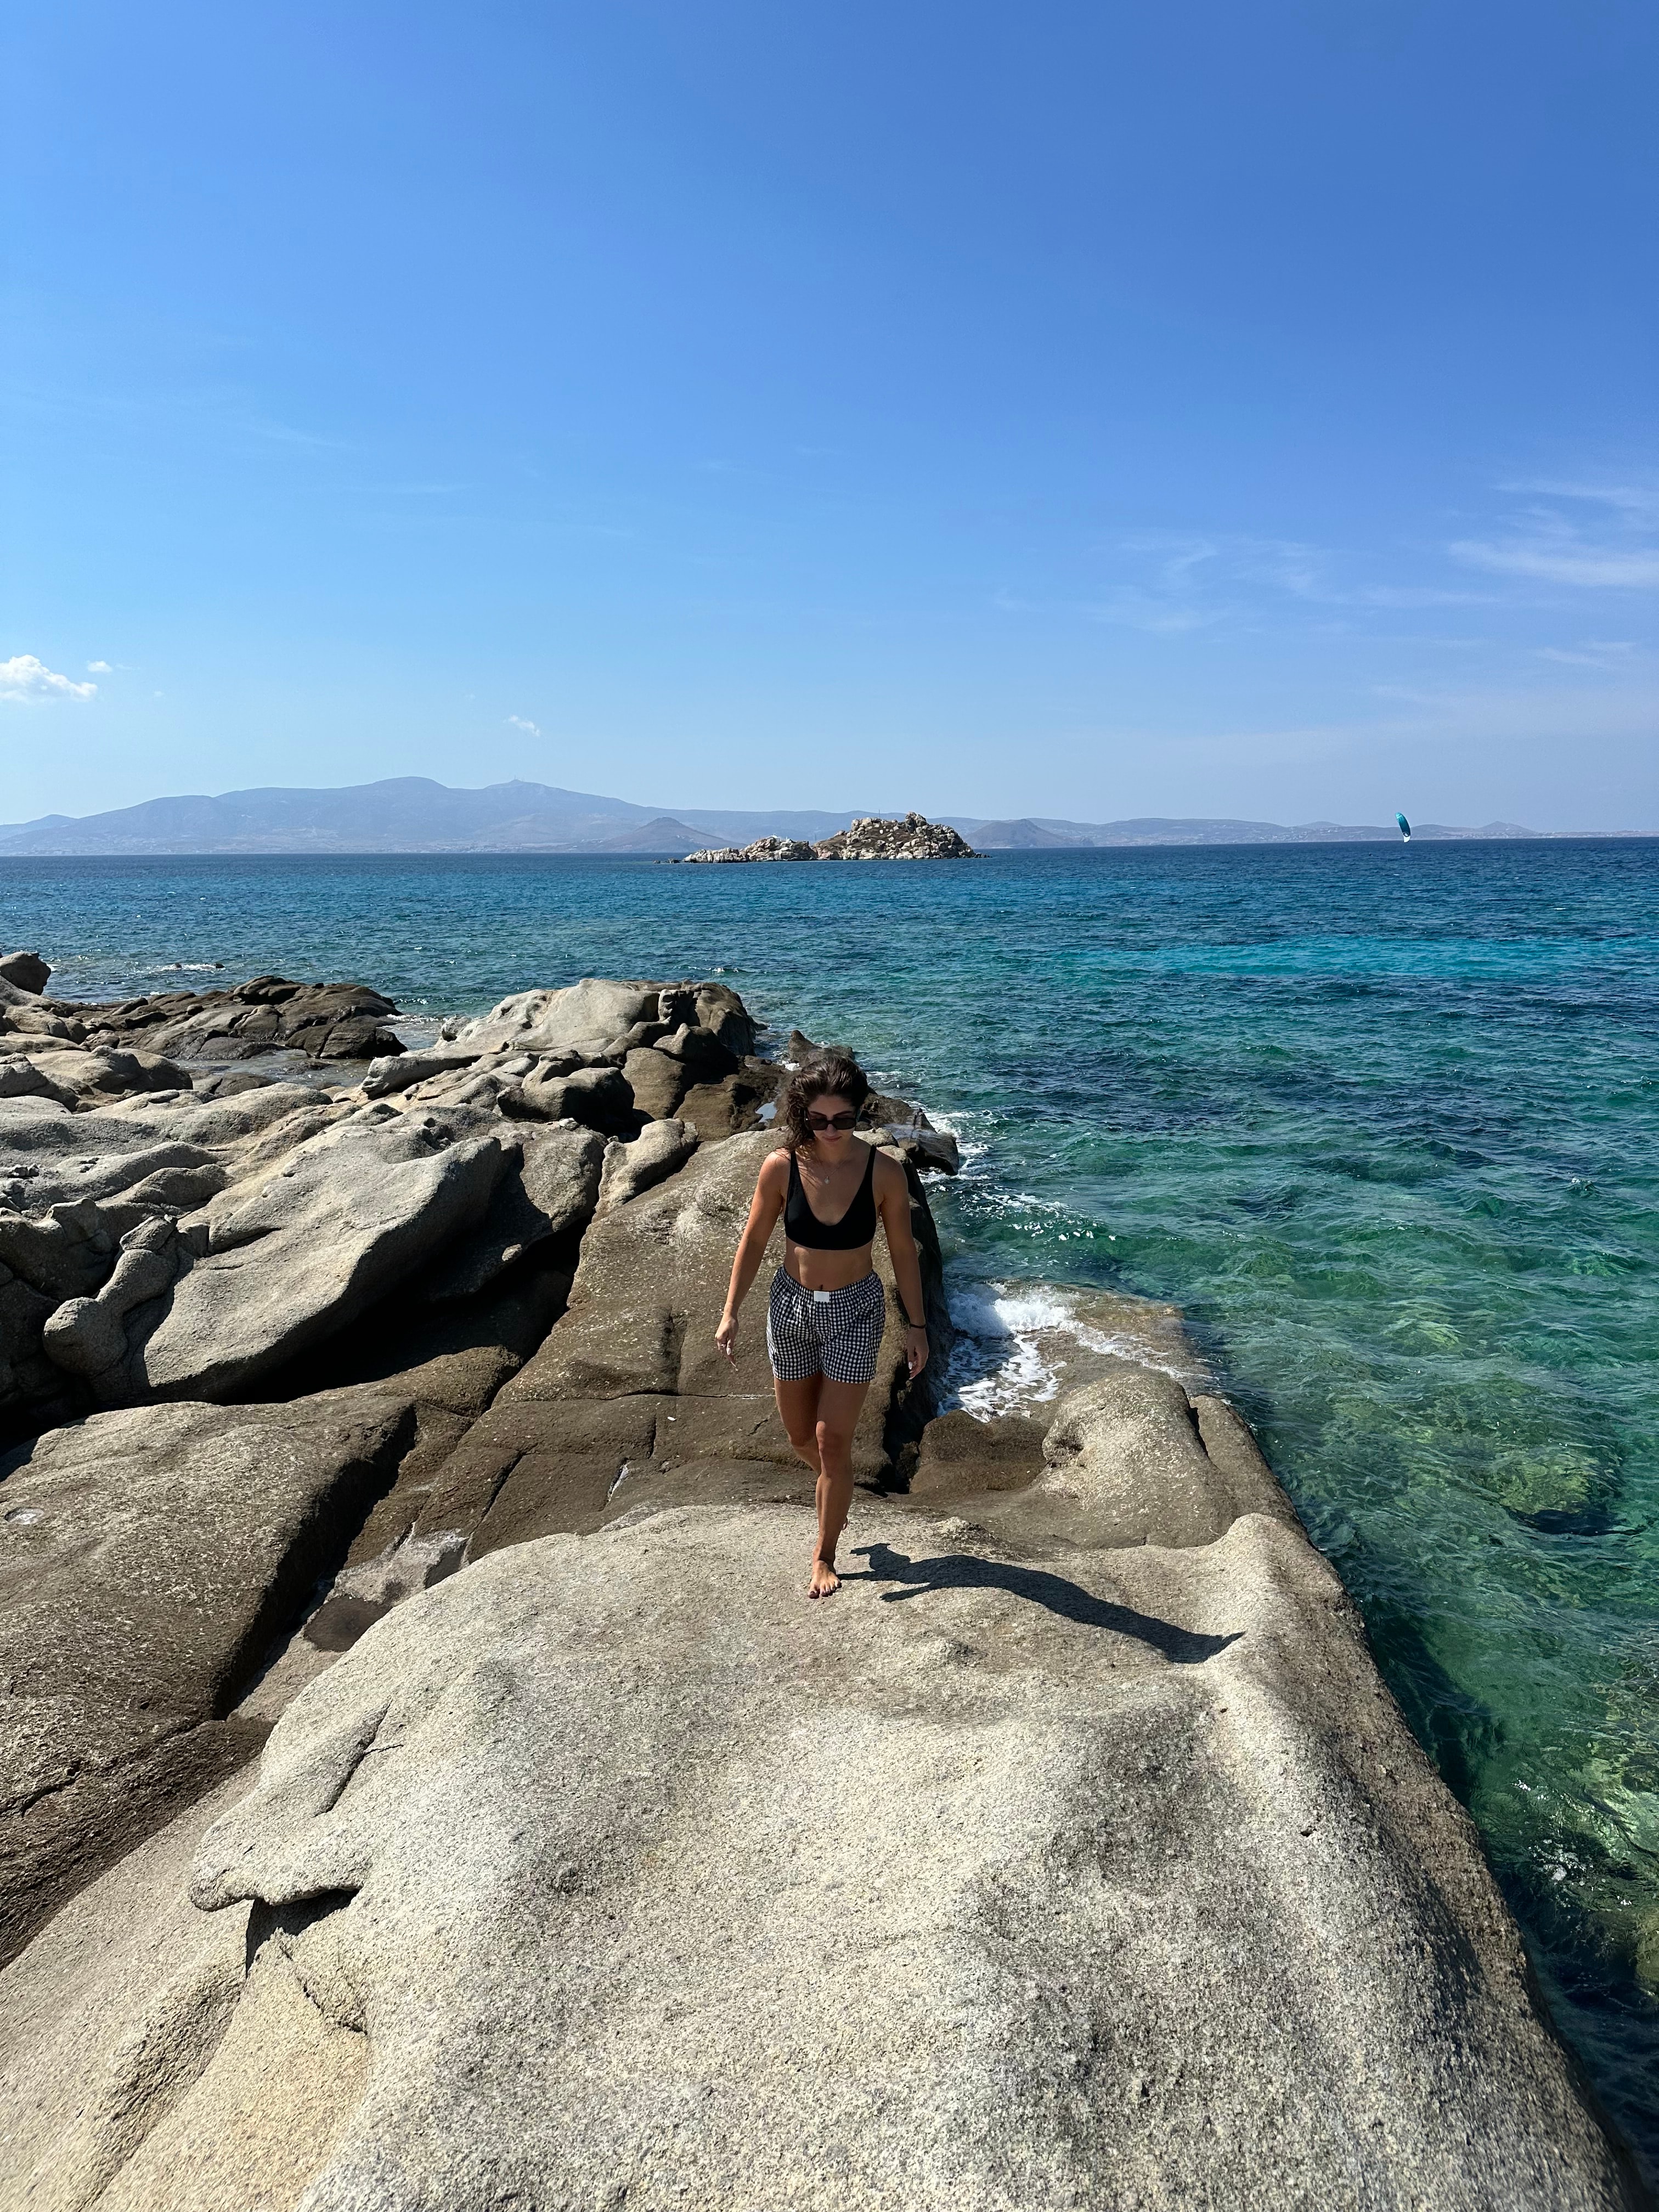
pixel 832 1120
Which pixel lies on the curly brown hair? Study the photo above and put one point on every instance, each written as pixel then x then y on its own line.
pixel 831 1075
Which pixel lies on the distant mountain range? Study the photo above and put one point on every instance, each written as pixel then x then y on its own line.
pixel 412 814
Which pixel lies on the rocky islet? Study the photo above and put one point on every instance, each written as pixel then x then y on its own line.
pixel 381 1418
pixel 871 837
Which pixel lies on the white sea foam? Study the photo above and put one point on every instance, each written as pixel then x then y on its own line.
pixel 1019 1344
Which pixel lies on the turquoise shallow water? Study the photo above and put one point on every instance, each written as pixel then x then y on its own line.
pixel 1382 1119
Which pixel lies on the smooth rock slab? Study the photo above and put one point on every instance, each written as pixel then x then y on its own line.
pixel 294 1258
pixel 987 1884
pixel 147 1558
pixel 543 1021
pixel 551 1196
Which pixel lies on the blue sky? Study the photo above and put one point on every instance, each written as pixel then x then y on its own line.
pixel 1086 411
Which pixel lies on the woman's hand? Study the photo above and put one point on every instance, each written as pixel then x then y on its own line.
pixel 915 1350
pixel 726 1335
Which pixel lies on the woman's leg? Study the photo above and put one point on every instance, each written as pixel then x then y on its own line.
pixel 839 1406
pixel 797 1404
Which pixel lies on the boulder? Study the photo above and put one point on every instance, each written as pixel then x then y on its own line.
pixel 660 1151
pixel 26 1016
pixel 146 1560
pixel 1126 1462
pixel 325 1021
pixel 543 1021
pixel 630 1039
pixel 398 1071
pixel 93 1079
pixel 657 1081
pixel 293 1257
pixel 598 1021
pixel 700 1052
pixel 87 1336
pixel 21 1077
pixel 921 1145
pixel 720 1108
pixel 722 1012
pixel 25 971
pixel 1128 1876
pixel 182 1242
pixel 552 1195
pixel 76 1187
pixel 599 1097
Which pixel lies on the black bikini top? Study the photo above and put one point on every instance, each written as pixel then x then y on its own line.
pixel 856 1226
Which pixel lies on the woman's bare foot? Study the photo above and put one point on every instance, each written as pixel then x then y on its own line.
pixel 825 1580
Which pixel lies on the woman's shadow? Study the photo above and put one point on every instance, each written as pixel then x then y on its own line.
pixel 1182 1647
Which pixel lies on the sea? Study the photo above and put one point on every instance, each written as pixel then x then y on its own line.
pixel 1381 1121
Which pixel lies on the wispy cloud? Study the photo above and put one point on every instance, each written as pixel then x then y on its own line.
pixel 1637 499
pixel 1551 559
pixel 29 682
pixel 1594 652
pixel 518 722
pixel 1587 537
pixel 1407 598
pixel 1543 542
pixel 1192 583
pixel 99 668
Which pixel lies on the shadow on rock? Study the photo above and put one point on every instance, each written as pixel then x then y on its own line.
pixel 1182 1647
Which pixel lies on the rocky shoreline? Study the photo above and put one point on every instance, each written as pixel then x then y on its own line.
pixel 422 1784
pixel 872 837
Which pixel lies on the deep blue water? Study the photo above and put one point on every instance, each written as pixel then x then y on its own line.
pixel 1383 1120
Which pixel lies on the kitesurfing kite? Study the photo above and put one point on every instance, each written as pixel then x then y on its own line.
pixel 1405 827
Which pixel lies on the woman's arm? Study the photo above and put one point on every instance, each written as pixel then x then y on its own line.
pixel 771 1188
pixel 893 1201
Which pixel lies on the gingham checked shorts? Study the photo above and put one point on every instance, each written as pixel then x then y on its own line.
pixel 833 1332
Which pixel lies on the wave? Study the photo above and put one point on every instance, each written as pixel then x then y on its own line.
pixel 1019 1346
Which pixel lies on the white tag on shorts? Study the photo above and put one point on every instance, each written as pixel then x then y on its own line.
pixel 821 1297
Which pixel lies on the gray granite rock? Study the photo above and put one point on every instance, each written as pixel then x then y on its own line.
pixel 999 1882
pixel 147 1558
pixel 599 1097
pixel 656 1081
pixel 660 1149
pixel 26 971
pixel 550 1192
pixel 325 1021
pixel 543 1021
pixel 295 1255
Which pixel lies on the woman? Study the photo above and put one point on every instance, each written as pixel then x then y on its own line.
pixel 824 1316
